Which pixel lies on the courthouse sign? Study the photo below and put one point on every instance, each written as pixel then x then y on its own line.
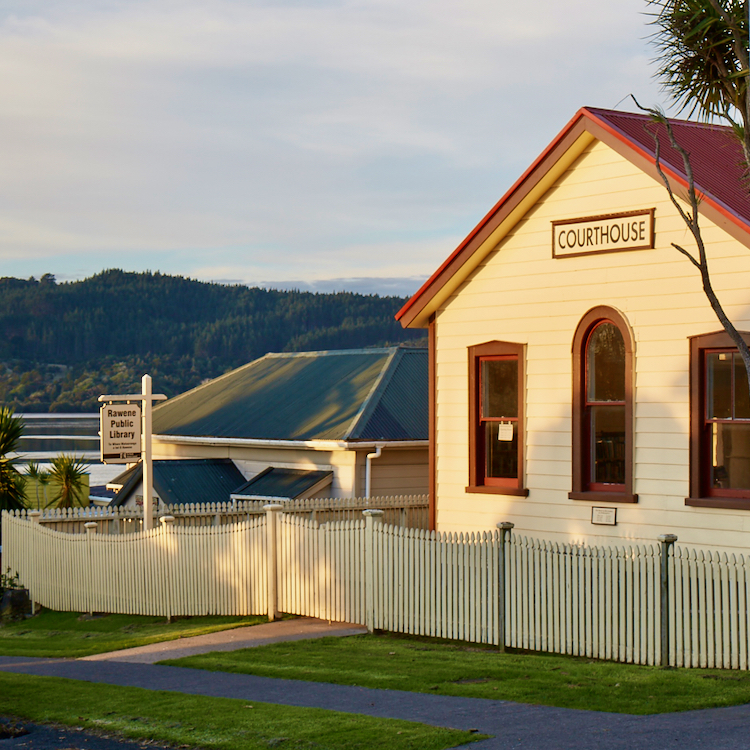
pixel 631 230
pixel 120 426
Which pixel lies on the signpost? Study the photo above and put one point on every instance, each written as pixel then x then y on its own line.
pixel 120 431
pixel 126 436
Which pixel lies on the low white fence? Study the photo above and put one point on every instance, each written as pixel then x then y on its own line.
pixel 645 604
pixel 410 511
pixel 168 571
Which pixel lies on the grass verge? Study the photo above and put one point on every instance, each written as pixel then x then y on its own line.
pixel 427 666
pixel 73 634
pixel 198 721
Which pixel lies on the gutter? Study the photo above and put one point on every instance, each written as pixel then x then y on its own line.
pixel 318 445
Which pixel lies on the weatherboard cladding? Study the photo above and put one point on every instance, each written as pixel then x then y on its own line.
pixel 275 482
pixel 310 396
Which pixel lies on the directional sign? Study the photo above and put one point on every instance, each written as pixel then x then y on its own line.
pixel 120 430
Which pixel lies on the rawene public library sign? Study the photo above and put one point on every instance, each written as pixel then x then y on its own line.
pixel 610 233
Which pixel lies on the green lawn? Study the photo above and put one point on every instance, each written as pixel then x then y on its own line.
pixel 72 634
pixel 428 666
pixel 221 723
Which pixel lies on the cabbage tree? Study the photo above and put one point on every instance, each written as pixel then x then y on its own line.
pixel 68 473
pixel 11 481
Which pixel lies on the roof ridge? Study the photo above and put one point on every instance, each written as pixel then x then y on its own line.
pixel 367 405
pixel 330 352
pixel 646 116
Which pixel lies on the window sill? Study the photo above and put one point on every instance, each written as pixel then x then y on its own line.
pixel 732 503
pixel 488 489
pixel 604 497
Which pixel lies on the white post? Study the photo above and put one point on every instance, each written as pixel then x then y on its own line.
pixel 271 559
pixel 90 527
pixel 371 515
pixel 148 467
pixel 167 523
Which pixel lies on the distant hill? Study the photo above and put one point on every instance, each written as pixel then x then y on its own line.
pixel 62 345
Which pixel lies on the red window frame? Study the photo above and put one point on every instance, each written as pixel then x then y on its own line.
pixel 478 482
pixel 583 488
pixel 702 494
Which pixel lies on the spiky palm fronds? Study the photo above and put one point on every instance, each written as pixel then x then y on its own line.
pixel 703 59
pixel 67 473
pixel 11 482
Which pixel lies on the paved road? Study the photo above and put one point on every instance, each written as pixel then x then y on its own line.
pixel 513 725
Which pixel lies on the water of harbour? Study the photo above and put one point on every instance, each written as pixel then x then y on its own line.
pixel 47 435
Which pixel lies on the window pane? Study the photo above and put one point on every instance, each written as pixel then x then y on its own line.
pixel 719 385
pixel 500 388
pixel 605 362
pixel 730 456
pixel 501 455
pixel 741 398
pixel 608 430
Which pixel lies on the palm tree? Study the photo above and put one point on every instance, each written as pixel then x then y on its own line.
pixel 11 482
pixel 702 59
pixel 68 473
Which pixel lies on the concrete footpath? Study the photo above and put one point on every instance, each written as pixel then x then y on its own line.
pixel 301 628
pixel 512 725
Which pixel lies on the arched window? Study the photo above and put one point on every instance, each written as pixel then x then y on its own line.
pixel 603 408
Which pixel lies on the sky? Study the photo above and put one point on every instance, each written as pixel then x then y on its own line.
pixel 324 145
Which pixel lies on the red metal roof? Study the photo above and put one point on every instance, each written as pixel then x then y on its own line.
pixel 715 154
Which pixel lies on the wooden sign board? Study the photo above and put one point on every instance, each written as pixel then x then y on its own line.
pixel 609 233
pixel 120 431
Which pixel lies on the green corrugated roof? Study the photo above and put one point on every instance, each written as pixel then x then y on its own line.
pixel 276 482
pixel 179 481
pixel 361 394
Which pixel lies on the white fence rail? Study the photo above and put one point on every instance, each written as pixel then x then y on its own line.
pixel 645 604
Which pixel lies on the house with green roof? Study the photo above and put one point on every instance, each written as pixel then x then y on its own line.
pixel 179 482
pixel 348 423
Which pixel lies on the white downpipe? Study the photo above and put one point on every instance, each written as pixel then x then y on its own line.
pixel 368 468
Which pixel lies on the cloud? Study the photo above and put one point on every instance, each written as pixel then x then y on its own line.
pixel 289 140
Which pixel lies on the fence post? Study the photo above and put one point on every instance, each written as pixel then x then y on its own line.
pixel 271 560
pixel 370 516
pixel 90 527
pixel 505 528
pixel 167 523
pixel 666 540
pixel 33 516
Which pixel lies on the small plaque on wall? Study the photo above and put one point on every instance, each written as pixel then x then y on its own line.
pixel 604 516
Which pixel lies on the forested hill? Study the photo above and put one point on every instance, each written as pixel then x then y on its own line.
pixel 61 345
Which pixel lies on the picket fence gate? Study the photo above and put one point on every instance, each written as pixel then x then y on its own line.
pixel 642 604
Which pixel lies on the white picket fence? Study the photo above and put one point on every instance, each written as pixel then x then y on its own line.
pixel 494 587
pixel 168 571
pixel 409 511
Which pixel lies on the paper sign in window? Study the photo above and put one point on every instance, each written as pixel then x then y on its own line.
pixel 505 431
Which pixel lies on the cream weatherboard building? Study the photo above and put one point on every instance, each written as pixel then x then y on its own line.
pixel 332 424
pixel 581 386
